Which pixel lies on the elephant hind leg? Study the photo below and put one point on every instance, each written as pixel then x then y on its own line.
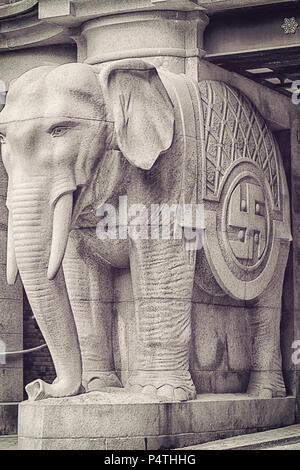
pixel 266 379
pixel 267 382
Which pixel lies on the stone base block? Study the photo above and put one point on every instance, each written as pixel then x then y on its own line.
pixel 8 418
pixel 120 420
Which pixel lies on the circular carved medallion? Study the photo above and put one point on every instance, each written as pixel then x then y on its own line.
pixel 240 241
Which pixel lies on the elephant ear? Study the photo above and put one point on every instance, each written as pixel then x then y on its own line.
pixel 141 109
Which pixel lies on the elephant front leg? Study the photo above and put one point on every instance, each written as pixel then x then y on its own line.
pixel 266 379
pixel 162 276
pixel 89 287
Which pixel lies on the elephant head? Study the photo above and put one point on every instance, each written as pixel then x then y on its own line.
pixel 58 125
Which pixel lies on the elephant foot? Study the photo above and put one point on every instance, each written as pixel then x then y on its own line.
pixel 95 380
pixel 266 385
pixel 39 390
pixel 168 385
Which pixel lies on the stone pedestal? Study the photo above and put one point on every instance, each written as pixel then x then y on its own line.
pixel 119 420
pixel 8 418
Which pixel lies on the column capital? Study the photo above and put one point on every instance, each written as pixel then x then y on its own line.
pixel 166 38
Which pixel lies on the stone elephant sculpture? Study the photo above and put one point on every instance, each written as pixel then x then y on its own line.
pixel 75 137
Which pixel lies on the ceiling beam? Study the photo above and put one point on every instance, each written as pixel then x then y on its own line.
pixel 214 6
pixel 252 31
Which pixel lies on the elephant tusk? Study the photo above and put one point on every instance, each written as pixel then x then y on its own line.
pixel 12 267
pixel 60 233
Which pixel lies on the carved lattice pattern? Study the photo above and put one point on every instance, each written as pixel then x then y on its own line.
pixel 233 130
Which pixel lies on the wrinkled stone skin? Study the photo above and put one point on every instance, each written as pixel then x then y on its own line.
pixel 73 138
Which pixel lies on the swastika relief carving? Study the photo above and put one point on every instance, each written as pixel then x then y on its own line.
pixel 247 227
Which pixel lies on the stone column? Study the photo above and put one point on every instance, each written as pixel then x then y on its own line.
pixel 165 38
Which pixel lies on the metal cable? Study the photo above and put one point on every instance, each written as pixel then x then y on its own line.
pixel 24 351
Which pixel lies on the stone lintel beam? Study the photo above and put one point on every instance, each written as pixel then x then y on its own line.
pixel 213 6
pixel 31 33
pixel 235 34
pixel 17 8
pixel 75 12
pixel 84 9
pixel 56 8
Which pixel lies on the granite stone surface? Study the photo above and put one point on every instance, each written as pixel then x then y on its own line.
pixel 100 420
pixel 106 101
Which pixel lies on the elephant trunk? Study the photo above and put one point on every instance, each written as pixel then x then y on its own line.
pixel 34 227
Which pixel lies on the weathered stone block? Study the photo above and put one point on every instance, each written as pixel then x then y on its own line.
pixel 8 418
pixel 231 381
pixel 190 439
pixel 9 292
pixel 158 38
pixel 3 213
pixel 123 286
pixel 11 316
pixel 54 8
pixel 61 444
pixel 125 421
pixel 13 342
pixel 125 443
pixel 11 384
pixel 3 180
pixel 3 244
pixel 221 341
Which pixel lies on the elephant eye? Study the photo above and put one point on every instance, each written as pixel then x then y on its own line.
pixel 58 131
pixel 2 139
